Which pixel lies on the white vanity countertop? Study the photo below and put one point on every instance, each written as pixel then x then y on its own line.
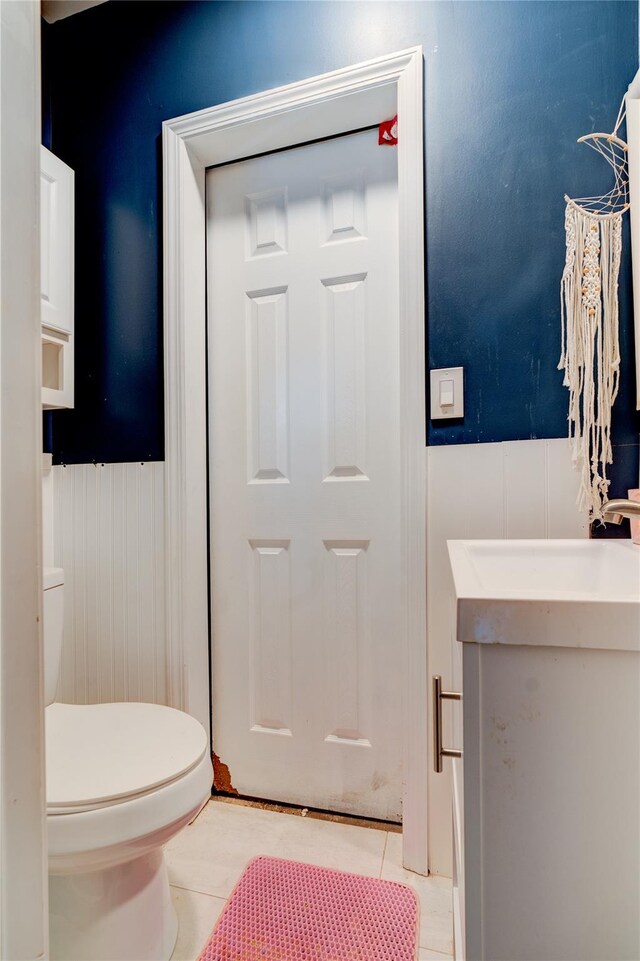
pixel 559 593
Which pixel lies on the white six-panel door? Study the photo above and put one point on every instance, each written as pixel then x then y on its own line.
pixel 304 460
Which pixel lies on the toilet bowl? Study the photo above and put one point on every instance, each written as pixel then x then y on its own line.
pixel 122 779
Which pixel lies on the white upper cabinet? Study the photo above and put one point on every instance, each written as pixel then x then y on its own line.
pixel 56 270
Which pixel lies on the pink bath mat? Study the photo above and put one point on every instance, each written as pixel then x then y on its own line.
pixel 287 911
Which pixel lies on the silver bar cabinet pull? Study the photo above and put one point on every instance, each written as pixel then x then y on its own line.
pixel 438 750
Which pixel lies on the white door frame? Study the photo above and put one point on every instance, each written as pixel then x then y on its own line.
pixel 24 919
pixel 323 106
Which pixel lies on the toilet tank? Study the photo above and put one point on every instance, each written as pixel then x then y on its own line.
pixel 52 623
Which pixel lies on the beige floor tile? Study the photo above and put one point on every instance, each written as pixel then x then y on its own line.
pixel 436 911
pixel 197 914
pixel 426 955
pixel 210 854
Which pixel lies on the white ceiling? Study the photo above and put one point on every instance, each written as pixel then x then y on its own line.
pixel 53 10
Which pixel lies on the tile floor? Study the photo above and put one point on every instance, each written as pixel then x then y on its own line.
pixel 206 859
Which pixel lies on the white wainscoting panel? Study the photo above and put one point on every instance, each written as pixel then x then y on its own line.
pixel 109 538
pixel 47 511
pixel 519 489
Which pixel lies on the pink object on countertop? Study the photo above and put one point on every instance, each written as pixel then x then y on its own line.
pixel 287 911
pixel 634 495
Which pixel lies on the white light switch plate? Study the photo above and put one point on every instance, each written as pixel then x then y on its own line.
pixel 447 393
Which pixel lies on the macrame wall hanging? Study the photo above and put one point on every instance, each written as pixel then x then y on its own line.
pixel 589 308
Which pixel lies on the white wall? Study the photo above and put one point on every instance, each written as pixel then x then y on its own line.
pixel 109 536
pixel 517 489
pixel 23 884
pixel 108 533
pixel 47 512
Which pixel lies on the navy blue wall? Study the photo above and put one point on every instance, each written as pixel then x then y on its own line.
pixel 509 88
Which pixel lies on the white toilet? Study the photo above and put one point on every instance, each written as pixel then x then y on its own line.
pixel 122 779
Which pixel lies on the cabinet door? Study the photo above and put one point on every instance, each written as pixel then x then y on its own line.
pixel 457 792
pixel 56 243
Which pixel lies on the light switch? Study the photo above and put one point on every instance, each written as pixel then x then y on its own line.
pixel 447 393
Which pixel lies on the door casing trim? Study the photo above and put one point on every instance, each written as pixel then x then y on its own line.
pixel 322 106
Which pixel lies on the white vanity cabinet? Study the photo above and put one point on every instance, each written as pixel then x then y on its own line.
pixel 56 279
pixel 547 792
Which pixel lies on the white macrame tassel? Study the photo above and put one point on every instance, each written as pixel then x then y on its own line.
pixel 590 349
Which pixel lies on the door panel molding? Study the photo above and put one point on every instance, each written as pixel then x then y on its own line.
pixel 322 106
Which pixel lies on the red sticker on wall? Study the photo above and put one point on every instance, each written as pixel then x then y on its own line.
pixel 388 132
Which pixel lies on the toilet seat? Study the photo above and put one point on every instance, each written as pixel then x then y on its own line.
pixel 98 818
pixel 99 755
